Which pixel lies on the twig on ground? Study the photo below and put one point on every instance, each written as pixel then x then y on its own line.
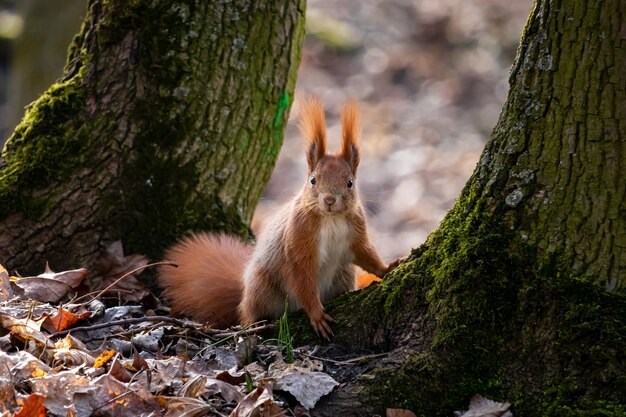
pixel 114 283
pixel 249 330
pixel 186 324
pixel 346 362
pixel 133 320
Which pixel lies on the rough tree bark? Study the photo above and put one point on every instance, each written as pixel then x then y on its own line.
pixel 519 294
pixel 161 106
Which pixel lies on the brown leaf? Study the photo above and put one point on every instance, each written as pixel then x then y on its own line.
pixel 70 342
pixel 226 376
pixel 32 406
pixel 119 372
pixel 5 284
pixel 25 329
pixel 259 402
pixel 7 395
pixel 68 393
pixel 185 407
pixel 164 373
pixel 73 277
pixel 138 362
pixel 60 390
pixel 63 320
pixel 193 388
pixel 72 357
pixel 50 287
pixel 21 366
pixel 399 412
pixel 114 398
pixel 70 351
pixel 114 265
pixel 229 392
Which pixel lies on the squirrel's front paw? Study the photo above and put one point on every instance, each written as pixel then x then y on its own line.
pixel 319 321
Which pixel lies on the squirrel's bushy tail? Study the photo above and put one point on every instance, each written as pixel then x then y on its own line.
pixel 207 284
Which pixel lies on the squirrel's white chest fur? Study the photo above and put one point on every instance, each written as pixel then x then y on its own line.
pixel 334 250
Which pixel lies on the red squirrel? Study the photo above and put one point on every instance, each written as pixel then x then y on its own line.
pixel 305 254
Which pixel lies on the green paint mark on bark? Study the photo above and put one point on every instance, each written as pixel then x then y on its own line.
pixel 278 125
pixel 282 105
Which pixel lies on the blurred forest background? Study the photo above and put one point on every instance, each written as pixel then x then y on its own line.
pixel 431 76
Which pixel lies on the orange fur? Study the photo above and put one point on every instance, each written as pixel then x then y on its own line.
pixel 365 254
pixel 350 125
pixel 313 128
pixel 207 284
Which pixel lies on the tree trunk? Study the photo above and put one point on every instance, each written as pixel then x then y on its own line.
pixel 169 117
pixel 519 295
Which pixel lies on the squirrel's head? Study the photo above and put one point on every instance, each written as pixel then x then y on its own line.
pixel 331 182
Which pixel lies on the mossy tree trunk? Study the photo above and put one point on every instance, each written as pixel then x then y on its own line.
pixel 169 117
pixel 519 295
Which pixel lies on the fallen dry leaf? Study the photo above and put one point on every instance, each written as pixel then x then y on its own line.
pixel 7 396
pixel 138 363
pixel 63 320
pixel 306 387
pixel 193 388
pixel 165 373
pixel 236 379
pixel 114 265
pixel 117 398
pixel 229 392
pixel 119 371
pixel 50 287
pixel 70 351
pixel 483 407
pixel 22 366
pixel 70 342
pixel 60 389
pixel 72 357
pixel 25 329
pixel 302 379
pixel 185 407
pixel 399 412
pixel 280 367
pixel 32 406
pixel 259 403
pixel 5 284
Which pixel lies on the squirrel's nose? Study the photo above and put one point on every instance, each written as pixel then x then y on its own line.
pixel 330 200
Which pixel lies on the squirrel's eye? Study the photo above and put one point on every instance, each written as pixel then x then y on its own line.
pixel 350 183
pixel 312 179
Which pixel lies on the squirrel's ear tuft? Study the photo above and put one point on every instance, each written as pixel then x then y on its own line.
pixel 313 127
pixel 350 146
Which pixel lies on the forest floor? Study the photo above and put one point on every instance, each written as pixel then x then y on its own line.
pixel 431 77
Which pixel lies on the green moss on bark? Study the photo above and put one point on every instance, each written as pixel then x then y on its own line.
pixel 45 148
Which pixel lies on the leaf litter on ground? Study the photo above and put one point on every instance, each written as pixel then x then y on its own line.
pixel 71 353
